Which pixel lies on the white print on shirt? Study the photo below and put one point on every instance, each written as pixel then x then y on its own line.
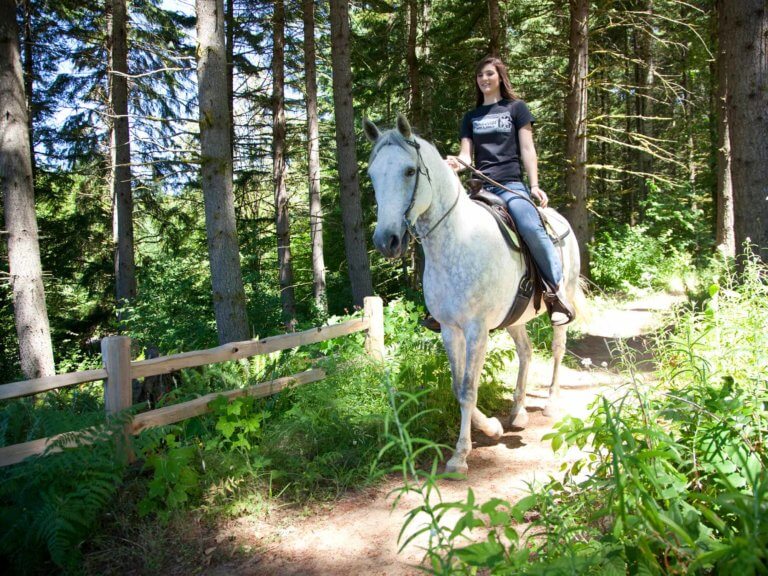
pixel 492 123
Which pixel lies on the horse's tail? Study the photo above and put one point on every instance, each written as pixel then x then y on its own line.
pixel 580 303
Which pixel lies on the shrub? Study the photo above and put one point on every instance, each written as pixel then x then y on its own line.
pixel 674 479
pixel 631 257
pixel 49 505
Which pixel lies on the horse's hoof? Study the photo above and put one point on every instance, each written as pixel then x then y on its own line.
pixel 495 430
pixel 519 420
pixel 551 411
pixel 456 466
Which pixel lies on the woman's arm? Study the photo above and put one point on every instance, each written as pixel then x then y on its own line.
pixel 465 155
pixel 531 163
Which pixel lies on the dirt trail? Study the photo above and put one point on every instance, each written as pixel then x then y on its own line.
pixel 358 534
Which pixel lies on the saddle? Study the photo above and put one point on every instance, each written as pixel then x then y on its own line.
pixel 532 284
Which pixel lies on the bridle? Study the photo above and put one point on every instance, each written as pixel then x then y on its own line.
pixel 422 169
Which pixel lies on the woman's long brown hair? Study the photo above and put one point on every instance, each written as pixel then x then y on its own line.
pixel 505 86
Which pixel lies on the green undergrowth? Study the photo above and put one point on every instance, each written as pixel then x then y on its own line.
pixel 246 457
pixel 673 478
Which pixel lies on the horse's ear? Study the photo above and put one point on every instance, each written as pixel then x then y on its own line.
pixel 371 131
pixel 403 126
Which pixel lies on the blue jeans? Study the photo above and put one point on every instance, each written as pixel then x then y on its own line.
pixel 532 231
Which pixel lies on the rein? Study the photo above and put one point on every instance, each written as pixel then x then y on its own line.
pixel 421 169
pixel 493 182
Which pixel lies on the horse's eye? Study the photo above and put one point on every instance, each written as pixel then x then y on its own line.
pixel 410 172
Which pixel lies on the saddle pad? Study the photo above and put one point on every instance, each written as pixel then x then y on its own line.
pixel 499 214
pixel 556 224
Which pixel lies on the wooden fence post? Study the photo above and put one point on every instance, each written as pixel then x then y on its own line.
pixel 116 355
pixel 374 338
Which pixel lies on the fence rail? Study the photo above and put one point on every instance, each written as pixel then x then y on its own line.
pixel 119 371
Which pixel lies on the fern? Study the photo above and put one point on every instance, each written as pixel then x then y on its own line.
pixel 49 505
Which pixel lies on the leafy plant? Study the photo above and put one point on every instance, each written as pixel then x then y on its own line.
pixel 674 478
pixel 239 423
pixel 50 504
pixel 174 478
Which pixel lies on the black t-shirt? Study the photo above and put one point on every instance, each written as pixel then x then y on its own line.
pixel 493 131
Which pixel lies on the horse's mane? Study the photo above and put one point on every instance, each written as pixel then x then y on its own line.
pixel 393 136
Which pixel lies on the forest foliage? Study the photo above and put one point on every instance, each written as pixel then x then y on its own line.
pixel 675 503
pixel 673 199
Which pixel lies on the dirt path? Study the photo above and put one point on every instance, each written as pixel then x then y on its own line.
pixel 358 534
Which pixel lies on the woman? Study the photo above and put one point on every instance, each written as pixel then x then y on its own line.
pixel 499 133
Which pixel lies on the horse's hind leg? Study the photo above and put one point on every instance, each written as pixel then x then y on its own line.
pixel 552 409
pixel 519 416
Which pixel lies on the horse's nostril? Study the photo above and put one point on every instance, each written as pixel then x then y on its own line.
pixel 394 244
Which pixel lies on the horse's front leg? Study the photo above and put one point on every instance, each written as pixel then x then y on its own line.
pixel 552 408
pixel 465 389
pixel 456 348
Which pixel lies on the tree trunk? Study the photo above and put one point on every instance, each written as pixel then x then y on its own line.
pixel 426 79
pixel 29 80
pixel 576 126
pixel 724 238
pixel 644 80
pixel 351 211
pixel 216 175
pixel 743 33
pixel 230 30
pixel 285 266
pixel 26 274
pixel 627 180
pixel 495 28
pixel 313 155
pixel 414 87
pixel 122 195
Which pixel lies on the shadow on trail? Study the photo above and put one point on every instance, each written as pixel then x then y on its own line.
pixel 613 353
pixel 511 441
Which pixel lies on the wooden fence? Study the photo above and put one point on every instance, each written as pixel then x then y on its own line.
pixel 119 371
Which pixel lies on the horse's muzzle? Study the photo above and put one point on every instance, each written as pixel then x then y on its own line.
pixel 390 244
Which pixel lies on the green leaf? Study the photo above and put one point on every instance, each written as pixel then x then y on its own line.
pixel 483 554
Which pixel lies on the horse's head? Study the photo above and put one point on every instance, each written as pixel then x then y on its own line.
pixel 394 169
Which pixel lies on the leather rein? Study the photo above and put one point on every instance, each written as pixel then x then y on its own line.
pixel 422 169
pixel 493 182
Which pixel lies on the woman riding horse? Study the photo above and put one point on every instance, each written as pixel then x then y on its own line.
pixel 499 133
pixel 470 274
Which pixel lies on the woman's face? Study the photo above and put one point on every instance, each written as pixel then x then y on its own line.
pixel 488 81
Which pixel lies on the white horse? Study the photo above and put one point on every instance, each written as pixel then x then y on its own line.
pixel 470 276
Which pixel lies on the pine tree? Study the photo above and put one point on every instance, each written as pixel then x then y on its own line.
pixel 743 32
pixel 216 175
pixel 313 158
pixel 120 178
pixel 26 274
pixel 346 153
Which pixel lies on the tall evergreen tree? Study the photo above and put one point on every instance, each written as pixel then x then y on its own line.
pixel 26 274
pixel 414 76
pixel 496 39
pixel 282 217
pixel 120 177
pixel 346 154
pixel 576 125
pixel 313 158
pixel 724 235
pixel 216 175
pixel 743 32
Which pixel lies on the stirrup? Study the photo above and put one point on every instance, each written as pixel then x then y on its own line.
pixel 557 304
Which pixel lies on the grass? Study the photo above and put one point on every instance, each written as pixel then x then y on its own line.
pixel 674 479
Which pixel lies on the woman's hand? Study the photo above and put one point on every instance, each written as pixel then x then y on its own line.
pixel 454 164
pixel 540 195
